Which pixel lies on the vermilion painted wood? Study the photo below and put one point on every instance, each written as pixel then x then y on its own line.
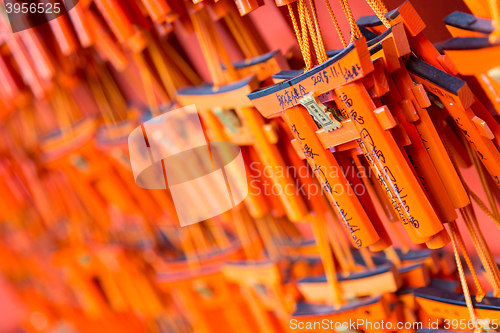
pixel 458 101
pixel 313 144
pixel 424 49
pixel 97 184
pixel 383 152
pixel 247 6
pixel 430 137
pixel 114 145
pixel 421 161
pixel 253 125
pixel 205 292
pixel 354 218
pixel 265 289
pixel 431 300
pixel 382 46
pixel 295 94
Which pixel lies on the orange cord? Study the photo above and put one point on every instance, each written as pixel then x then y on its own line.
pixel 453 228
pixel 379 11
pixel 480 290
pixel 305 39
pixel 305 52
pixel 336 23
pixel 474 196
pixel 482 176
pixel 309 26
pixel 482 248
pixel 305 17
pixel 321 51
pixel 469 215
pixel 355 32
pixel 382 6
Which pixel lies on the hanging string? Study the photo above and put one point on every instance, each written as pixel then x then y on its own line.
pixel 309 27
pixel 101 77
pixel 306 50
pixel 480 250
pixel 213 50
pixel 213 56
pixel 182 67
pixel 315 38
pixel 482 176
pixel 336 23
pixel 484 251
pixel 473 195
pixel 458 236
pixel 382 6
pixel 453 228
pixel 482 205
pixel 355 32
pixel 321 51
pixel 389 252
pixel 306 55
pixel 295 25
pixel 477 236
pixel 379 11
